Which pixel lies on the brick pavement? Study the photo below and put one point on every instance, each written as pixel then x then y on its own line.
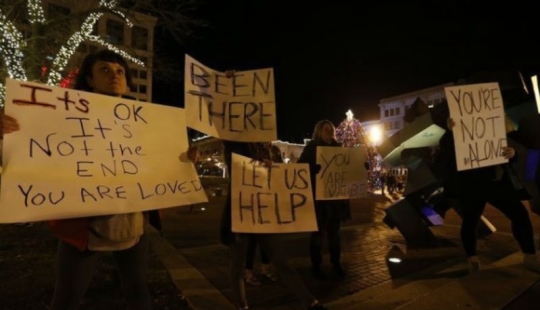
pixel 366 245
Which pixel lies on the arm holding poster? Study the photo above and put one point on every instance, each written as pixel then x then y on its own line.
pixel 8 124
pixel 466 183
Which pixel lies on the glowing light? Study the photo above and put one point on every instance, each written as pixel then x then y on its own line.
pixel 67 50
pixel 349 115
pixel 351 133
pixel 394 260
pixel 11 41
pixel 35 12
pixel 375 135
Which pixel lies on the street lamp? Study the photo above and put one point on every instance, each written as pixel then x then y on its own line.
pixel 375 135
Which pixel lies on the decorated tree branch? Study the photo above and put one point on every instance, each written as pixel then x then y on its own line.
pixel 351 133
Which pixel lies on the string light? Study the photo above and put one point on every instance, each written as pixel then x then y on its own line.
pixel 351 133
pixel 116 50
pixel 85 33
pixel 12 41
pixel 35 12
pixel 2 94
pixel 67 50
pixel 10 48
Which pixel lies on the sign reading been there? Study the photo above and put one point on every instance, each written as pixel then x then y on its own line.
pixel 237 108
pixel 82 154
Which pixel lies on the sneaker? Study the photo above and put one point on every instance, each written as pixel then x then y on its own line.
pixel 474 264
pixel 318 273
pixel 532 262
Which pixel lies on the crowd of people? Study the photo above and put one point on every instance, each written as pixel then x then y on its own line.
pixel 83 240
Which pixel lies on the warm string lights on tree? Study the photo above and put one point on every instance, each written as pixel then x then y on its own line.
pixel 351 133
pixel 66 51
pixel 10 48
pixel 85 33
pixel 118 51
pixel 12 43
pixel 35 12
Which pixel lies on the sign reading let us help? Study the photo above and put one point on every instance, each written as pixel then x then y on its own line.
pixel 82 154
pixel 275 199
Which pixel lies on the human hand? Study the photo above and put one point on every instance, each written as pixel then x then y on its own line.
pixel 508 152
pixel 450 124
pixel 193 154
pixel 265 162
pixel 8 124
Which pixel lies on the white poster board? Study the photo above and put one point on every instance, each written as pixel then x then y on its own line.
pixel 238 108
pixel 479 133
pixel 342 174
pixel 81 154
pixel 275 200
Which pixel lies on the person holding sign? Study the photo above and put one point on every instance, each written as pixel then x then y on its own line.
pixel 330 213
pixel 251 279
pixel 496 185
pixel 270 243
pixel 82 240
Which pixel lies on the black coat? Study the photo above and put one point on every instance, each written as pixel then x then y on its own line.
pixel 478 183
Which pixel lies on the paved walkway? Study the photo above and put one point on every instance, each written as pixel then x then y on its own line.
pixel 199 264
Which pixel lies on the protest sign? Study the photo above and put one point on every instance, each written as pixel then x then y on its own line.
pixel 271 200
pixel 480 132
pixel 342 174
pixel 237 108
pixel 83 154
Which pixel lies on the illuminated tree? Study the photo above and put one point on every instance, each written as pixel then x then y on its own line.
pixel 351 133
pixel 37 41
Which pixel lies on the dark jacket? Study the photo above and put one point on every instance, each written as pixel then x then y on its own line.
pixel 326 210
pixel 479 183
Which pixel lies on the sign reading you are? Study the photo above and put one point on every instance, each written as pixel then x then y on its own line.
pixel 83 154
pixel 236 108
pixel 479 132
pixel 271 200
pixel 342 174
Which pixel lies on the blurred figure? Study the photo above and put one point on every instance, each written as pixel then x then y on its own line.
pixel 330 213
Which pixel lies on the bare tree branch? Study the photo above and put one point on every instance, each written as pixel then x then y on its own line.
pixel 37 42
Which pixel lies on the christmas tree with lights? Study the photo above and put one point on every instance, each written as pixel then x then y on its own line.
pixel 351 133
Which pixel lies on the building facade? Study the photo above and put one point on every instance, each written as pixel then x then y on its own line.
pixel 392 109
pixel 212 161
pixel 290 151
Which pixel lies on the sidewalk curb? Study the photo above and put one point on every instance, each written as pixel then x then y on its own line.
pixel 199 293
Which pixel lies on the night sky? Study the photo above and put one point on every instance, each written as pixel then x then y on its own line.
pixel 333 56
